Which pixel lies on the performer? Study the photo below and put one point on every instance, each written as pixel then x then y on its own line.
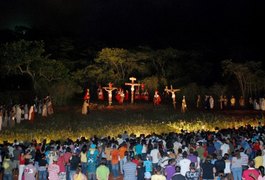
pixel 126 95
pixel 157 98
pixel 118 96
pixel 49 105
pixel 18 114
pixel 44 110
pixel 26 112
pixel 121 96
pixel 233 102
pixel 109 89
pixel 211 102
pixel 31 113
pixel 241 102
pixel 225 102
pixel 183 105
pixel 85 108
pixel 137 93
pixel 87 96
pixel 100 93
pixel 146 95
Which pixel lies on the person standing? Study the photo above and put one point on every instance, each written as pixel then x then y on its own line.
pixel 211 101
pixel 184 163
pixel 193 173
pixel 18 114
pixel 233 102
pixel 122 155
pixel 7 166
pixel 79 175
pixel 251 172
pixel 103 171
pixel 42 170
pixel 157 98
pixel 183 105
pixel 21 165
pixel 158 175
pixel 155 156
pixel 92 155
pixel 177 175
pixel 130 170
pixel 208 170
pixel 115 161
pixel 236 166
pixel 170 169
pixel 54 170
pixel 74 163
pixel 30 171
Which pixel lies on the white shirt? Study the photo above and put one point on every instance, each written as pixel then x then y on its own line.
pixel 184 166
pixel 224 148
pixel 154 154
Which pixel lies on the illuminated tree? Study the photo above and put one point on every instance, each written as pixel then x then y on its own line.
pixel 249 75
pixel 115 65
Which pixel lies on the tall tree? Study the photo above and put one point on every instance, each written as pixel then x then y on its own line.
pixel 249 75
pixel 28 58
pixel 116 65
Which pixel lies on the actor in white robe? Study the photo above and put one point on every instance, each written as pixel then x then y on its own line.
pixel 211 101
pixel 18 114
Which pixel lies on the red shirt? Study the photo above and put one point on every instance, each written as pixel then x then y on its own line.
pixel 249 171
pixel 21 160
pixel 67 157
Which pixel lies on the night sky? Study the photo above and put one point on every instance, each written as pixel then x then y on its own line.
pixel 233 28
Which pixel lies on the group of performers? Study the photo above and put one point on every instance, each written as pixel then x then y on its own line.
pixel 121 96
pixel 15 113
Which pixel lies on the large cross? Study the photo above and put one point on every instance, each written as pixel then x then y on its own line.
pixel 132 84
pixel 173 95
pixel 109 89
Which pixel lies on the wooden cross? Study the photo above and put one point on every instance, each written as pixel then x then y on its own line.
pixel 173 95
pixel 109 89
pixel 132 84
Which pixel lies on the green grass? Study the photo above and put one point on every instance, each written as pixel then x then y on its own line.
pixel 137 119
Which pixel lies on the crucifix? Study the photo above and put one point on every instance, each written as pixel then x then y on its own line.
pixel 173 95
pixel 132 84
pixel 109 89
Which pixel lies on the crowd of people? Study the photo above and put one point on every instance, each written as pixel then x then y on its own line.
pixel 225 154
pixel 15 113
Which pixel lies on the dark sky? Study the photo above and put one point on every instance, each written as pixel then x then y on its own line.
pixel 234 25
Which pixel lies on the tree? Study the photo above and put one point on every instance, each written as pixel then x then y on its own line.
pixel 116 65
pixel 249 75
pixel 28 58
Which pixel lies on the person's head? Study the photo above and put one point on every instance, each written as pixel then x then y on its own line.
pixel 192 166
pixel 251 164
pixel 185 154
pixel 258 153
pixel 177 169
pixel 158 170
pixel 103 161
pixel 261 170
pixel 171 161
pixel 78 170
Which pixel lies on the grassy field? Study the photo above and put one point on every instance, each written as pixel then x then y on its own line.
pixel 67 122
